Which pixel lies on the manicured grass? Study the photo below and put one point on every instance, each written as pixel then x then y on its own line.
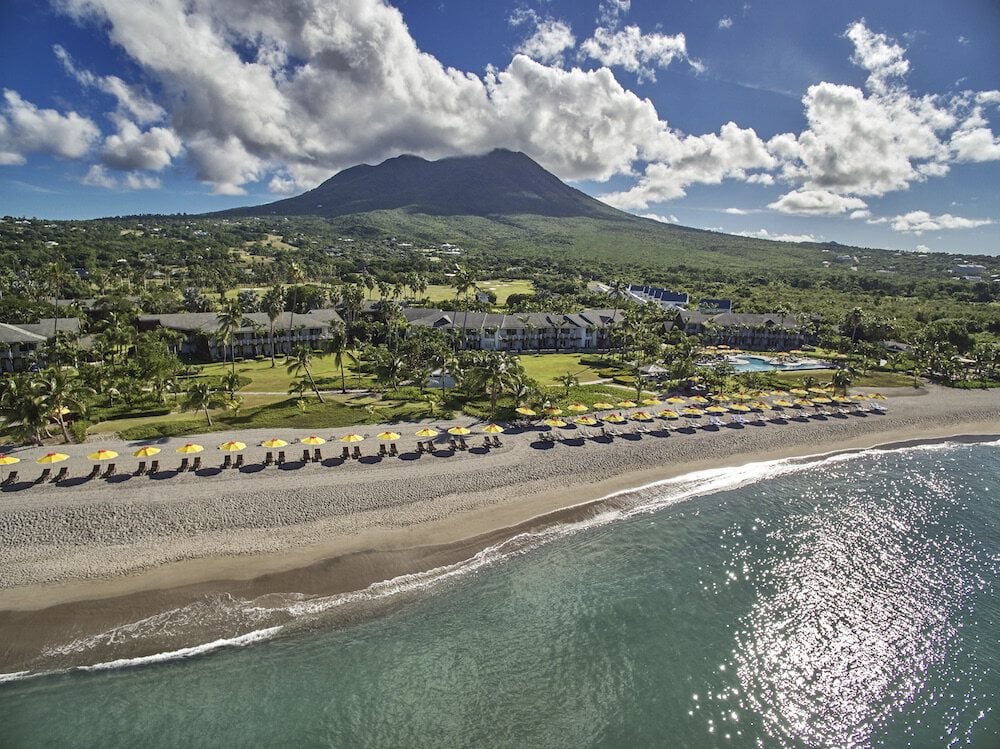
pixel 267 379
pixel 502 288
pixel 873 379
pixel 546 367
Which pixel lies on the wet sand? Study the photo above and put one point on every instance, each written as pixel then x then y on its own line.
pixel 79 560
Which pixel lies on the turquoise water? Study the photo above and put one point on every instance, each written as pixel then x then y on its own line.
pixel 851 602
pixel 756 364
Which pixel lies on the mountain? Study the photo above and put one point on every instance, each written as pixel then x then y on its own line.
pixel 501 183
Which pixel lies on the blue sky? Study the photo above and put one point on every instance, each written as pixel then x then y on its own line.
pixel 867 123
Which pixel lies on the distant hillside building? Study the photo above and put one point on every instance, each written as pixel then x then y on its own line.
pixel 712 306
pixel 252 339
pixel 768 332
pixel 20 344
pixel 664 297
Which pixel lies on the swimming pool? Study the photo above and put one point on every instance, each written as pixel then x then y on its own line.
pixel 744 363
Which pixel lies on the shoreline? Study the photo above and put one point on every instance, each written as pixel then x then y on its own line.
pixel 344 552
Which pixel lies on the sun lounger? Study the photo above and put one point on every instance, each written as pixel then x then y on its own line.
pixel 383 453
pixel 346 453
pixel 227 462
pixel 239 462
pixel 317 456
pixel 281 458
pixel 110 471
pixel 486 442
pixel 306 458
pixel 393 450
pixel 497 442
pixel 10 479
pixel 195 466
pixel 185 464
pixel 420 448
pixel 46 472
pixel 357 453
pixel 462 443
pixel 269 458
pixel 154 467
pixel 63 473
pixel 94 472
pixel 138 471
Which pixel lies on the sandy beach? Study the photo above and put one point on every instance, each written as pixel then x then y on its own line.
pixel 85 557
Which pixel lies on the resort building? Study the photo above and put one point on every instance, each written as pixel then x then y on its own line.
pixel 201 339
pixel 20 344
pixel 664 297
pixel 533 331
pixel 769 332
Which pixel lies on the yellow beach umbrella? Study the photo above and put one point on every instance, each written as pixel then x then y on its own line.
pixel 699 399
pixel 760 406
pixel 819 391
pixel 670 414
pixel 8 460
pixel 800 402
pixel 274 442
pixel 743 396
pixel 877 396
pixel 627 404
pixel 783 403
pixel 190 447
pixel 352 437
pixel 650 401
pixel 859 397
pixel 103 454
pixel 427 432
pixel 739 407
pixel 232 446
pixel 587 421
pixel 615 418
pixel 799 391
pixel 52 458
pixel 779 393
pixel 525 411
pixel 841 399
pixel 692 411
pixel 821 399
pixel 674 399
pixel 312 439
pixel 460 431
pixel 493 429
pixel 721 398
pixel 554 423
pixel 577 407
pixel 642 416
pixel 146 451
pixel 716 410
pixel 553 410
pixel 603 406
pixel 388 436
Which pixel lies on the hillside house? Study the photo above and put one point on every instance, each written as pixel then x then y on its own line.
pixel 21 344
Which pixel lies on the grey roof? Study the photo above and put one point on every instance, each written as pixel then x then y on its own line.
pixel 735 319
pixel 17 334
pixel 37 332
pixel 471 320
pixel 208 322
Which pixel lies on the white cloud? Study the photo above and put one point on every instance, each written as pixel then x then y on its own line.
pixel 24 129
pixel 765 234
pixel 550 41
pixel 975 144
pixel 671 219
pixel 918 222
pixel 135 181
pixel 98 176
pixel 725 22
pixel 636 52
pixel 860 214
pixel 921 248
pixel 131 148
pixel 736 211
pixel 138 105
pixel 879 55
pixel 816 203
pixel 609 11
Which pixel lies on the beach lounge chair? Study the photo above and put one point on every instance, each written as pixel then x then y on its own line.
pixel 46 472
pixel 94 472
pixel 10 479
pixel 281 458
pixel 357 453
pixel 486 442
pixel 195 466
pixel 462 443
pixel 269 458
pixel 346 453
pixel 497 442
pixel 63 473
pixel 227 462
pixel 393 451
pixel 184 465
pixel 420 448
pixel 239 462
pixel 383 453
pixel 110 471
pixel 305 456
pixel 453 444
pixel 138 471
pixel 154 467
pixel 317 456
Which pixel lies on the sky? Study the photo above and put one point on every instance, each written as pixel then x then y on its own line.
pixel 869 123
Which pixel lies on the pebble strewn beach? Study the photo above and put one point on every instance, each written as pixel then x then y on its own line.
pixel 105 529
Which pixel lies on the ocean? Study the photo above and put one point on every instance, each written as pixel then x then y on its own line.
pixel 847 601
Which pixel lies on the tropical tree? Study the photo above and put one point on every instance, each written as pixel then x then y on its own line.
pixel 299 364
pixel 494 373
pixel 338 345
pixel 230 319
pixel 62 391
pixel 464 283
pixel 202 396
pixel 22 408
pixel 273 304
pixel 841 380
pixel 567 380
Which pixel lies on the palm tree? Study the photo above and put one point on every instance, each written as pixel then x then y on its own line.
pixel 299 364
pixel 273 304
pixel 201 396
pixel 61 390
pixel 23 408
pixel 464 283
pixel 230 319
pixel 568 381
pixel 493 373
pixel 338 345
pixel 841 380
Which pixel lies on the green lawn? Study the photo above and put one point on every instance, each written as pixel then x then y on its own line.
pixel 502 288
pixel 873 379
pixel 546 367
pixel 267 379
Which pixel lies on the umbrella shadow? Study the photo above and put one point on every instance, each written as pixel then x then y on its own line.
pixel 575 441
pixel 251 468
pixel 291 465
pixel 370 460
pixel 542 445
pixel 332 462
pixel 74 481
pixel 410 456
pixel 119 478
pixel 19 486
pixel 631 436
pixel 206 472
